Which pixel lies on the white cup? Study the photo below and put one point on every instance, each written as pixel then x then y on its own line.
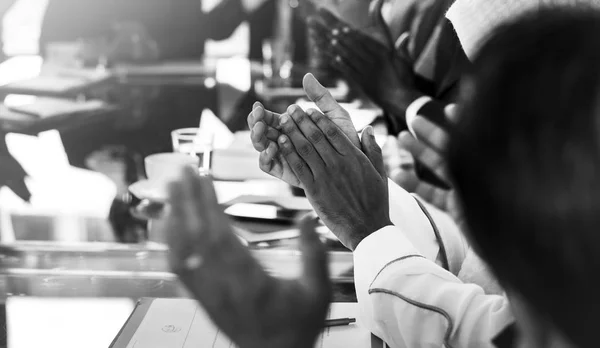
pixel 163 168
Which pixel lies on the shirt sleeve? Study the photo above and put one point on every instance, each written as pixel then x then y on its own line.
pixel 409 301
pixel 432 232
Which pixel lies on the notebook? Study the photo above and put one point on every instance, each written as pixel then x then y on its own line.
pixel 182 323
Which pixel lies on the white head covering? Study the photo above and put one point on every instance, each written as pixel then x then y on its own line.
pixel 475 20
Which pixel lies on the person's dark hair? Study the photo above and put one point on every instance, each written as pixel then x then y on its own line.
pixel 525 160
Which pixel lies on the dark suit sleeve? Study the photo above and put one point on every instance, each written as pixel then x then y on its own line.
pixel 222 21
pixel 12 174
pixel 438 58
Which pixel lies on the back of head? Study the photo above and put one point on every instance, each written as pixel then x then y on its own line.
pixel 526 164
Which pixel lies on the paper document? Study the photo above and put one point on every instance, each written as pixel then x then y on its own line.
pixel 182 323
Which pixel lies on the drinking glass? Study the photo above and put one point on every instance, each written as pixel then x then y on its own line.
pixel 194 142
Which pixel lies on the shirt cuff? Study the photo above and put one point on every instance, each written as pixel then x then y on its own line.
pixel 379 249
pixel 413 110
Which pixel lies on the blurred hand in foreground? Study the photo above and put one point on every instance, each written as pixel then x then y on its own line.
pixel 251 307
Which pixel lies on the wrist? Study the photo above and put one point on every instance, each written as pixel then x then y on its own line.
pixel 359 234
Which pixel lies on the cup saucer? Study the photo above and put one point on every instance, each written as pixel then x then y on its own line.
pixel 150 190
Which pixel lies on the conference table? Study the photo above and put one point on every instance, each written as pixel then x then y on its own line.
pixel 83 283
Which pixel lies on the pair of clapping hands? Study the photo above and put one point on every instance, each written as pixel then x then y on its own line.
pixel 343 177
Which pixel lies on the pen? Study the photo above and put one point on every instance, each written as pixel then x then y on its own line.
pixel 339 322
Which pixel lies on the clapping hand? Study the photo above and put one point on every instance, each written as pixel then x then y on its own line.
pixel 384 74
pixel 429 148
pixel 265 130
pixel 347 186
pixel 251 307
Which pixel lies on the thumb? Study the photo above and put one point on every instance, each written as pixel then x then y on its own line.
pixel 330 107
pixel 373 151
pixel 314 257
pixel 322 97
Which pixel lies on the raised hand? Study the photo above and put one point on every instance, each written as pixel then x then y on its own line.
pixel 429 148
pixel 384 73
pixel 251 307
pixel 347 186
pixel 265 130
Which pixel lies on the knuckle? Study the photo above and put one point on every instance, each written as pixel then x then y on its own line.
pixel 305 149
pixel 299 167
pixel 288 127
pixel 332 132
pixel 315 137
pixel 286 151
pixel 300 117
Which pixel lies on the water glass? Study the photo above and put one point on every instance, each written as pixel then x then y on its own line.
pixel 195 142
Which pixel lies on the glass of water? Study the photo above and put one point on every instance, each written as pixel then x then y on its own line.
pixel 194 142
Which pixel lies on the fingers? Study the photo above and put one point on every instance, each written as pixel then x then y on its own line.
pixel 330 107
pixel 373 151
pixel 323 98
pixel 430 133
pixel 263 126
pixel 296 163
pixel 259 113
pixel 314 258
pixel 258 135
pixel 205 190
pixel 304 148
pixel 332 132
pixel 424 154
pixel 451 111
pixel 311 132
pixel 265 160
pixel 183 202
pixel 261 134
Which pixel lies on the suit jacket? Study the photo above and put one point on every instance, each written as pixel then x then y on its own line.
pixel 432 47
pixel 507 338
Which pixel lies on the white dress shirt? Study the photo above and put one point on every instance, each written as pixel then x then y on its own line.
pixel 405 296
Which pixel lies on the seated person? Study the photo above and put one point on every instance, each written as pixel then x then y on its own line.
pixel 420 57
pixel 513 191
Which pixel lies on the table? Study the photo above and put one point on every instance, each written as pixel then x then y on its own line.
pixel 97 284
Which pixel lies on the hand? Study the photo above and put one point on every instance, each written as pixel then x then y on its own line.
pixel 429 148
pixel 385 76
pixel 251 307
pixel 347 188
pixel 13 175
pixel 265 130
